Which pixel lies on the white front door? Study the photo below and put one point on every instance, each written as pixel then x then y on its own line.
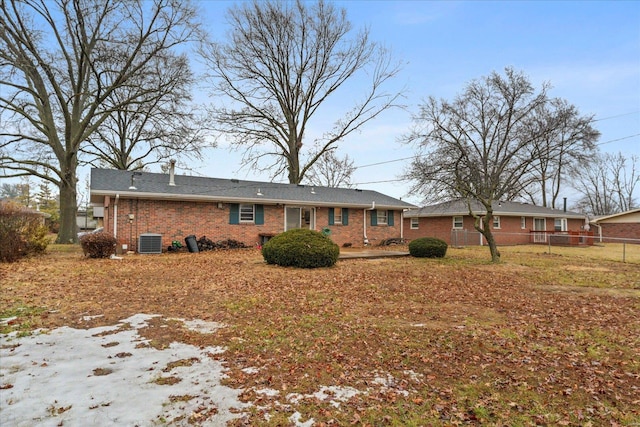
pixel 295 217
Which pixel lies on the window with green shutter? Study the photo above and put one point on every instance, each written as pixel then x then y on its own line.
pixel 331 216
pixel 246 213
pixel 374 217
pixel 259 214
pixel 389 217
pixel 345 216
pixel 234 213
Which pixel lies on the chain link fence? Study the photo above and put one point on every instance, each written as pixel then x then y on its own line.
pixel 614 248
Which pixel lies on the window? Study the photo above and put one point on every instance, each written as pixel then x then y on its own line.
pixel 457 222
pixel 496 222
pixel 415 223
pixel 247 213
pixel 337 215
pixel 560 224
pixel 382 216
pixel 523 222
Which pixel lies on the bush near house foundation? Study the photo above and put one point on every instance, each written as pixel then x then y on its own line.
pixel 22 232
pixel 98 245
pixel 428 247
pixel 301 248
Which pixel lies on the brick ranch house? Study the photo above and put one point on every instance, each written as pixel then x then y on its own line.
pixel 172 207
pixel 620 227
pixel 513 224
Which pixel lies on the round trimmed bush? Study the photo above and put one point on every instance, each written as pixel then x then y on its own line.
pixel 301 248
pixel 428 247
pixel 98 245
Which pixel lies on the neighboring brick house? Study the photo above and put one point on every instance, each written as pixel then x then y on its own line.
pixel 173 207
pixel 513 224
pixel 624 225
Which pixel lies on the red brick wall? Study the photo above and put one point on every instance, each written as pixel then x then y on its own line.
pixel 509 233
pixel 175 220
pixel 439 227
pixel 354 232
pixel 620 230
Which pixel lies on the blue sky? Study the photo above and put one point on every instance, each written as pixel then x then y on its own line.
pixel 588 51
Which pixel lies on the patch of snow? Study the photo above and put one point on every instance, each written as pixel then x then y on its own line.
pixel 250 370
pixel 202 326
pixel 295 419
pixel 295 397
pixel 390 383
pixel 268 392
pixel 413 376
pixel 333 394
pixel 103 376
pixel 6 320
pixel 87 318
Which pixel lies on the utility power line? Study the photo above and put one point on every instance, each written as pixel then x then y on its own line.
pixel 615 117
pixel 385 162
pixel 619 139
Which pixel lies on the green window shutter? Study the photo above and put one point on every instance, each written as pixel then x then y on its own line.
pixel 345 216
pixel 374 217
pixel 234 213
pixel 259 220
pixel 331 213
pixel 389 217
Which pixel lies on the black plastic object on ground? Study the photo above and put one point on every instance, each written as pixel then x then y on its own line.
pixel 192 244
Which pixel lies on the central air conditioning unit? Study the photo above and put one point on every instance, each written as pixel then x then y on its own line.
pixel 150 243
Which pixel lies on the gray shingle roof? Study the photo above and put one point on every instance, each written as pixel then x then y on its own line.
pixel 156 186
pixel 459 207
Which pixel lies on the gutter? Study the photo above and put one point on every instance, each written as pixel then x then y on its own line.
pixel 257 200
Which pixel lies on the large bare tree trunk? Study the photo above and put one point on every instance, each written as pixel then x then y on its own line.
pixel 68 207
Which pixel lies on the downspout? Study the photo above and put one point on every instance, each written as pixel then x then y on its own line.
pixel 364 223
pixel 599 231
pixel 402 225
pixel 115 216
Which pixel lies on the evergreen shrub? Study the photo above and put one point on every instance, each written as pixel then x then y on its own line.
pixel 301 248
pixel 98 245
pixel 428 247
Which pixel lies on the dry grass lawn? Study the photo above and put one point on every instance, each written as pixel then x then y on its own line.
pixel 540 339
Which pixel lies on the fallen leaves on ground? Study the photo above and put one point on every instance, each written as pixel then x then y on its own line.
pixel 397 341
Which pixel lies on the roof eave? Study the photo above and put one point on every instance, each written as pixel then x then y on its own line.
pixel 226 199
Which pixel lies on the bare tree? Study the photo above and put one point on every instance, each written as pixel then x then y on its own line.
pixel 61 61
pixel 477 146
pixel 331 171
pixel 161 125
pixel 568 142
pixel 607 184
pixel 283 62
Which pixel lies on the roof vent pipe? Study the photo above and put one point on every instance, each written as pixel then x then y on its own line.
pixel 172 167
